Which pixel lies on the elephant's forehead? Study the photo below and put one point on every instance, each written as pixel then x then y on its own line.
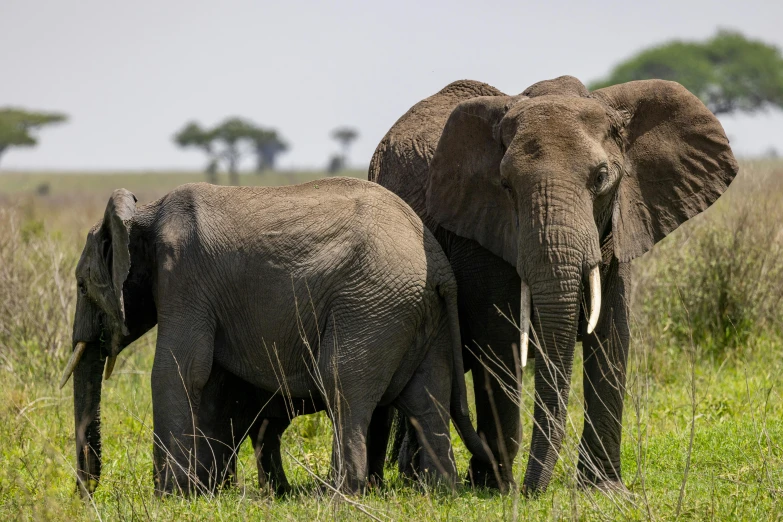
pixel 559 114
pixel 553 127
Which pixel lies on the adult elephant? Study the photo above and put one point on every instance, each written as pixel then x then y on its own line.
pixel 534 198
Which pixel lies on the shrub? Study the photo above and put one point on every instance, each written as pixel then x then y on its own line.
pixel 720 278
pixel 36 293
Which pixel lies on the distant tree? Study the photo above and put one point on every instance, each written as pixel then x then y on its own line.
pixel 267 145
pixel 18 126
pixel 336 164
pixel 192 135
pixel 232 132
pixel 729 72
pixel 345 136
pixel 228 141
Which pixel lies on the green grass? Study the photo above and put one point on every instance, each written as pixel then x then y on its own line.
pixel 735 469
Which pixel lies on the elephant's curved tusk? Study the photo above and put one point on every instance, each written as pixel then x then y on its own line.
pixel 524 323
pixel 72 362
pixel 110 361
pixel 595 298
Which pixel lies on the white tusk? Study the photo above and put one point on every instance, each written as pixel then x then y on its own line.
pixel 595 298
pixel 524 323
pixel 110 361
pixel 74 360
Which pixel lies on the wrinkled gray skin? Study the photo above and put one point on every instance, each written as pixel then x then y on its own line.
pixel 542 187
pixel 236 278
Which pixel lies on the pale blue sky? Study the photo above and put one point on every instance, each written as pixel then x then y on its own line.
pixel 131 73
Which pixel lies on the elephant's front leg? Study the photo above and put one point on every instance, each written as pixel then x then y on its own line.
pixel 268 433
pixel 605 363
pixel 497 419
pixel 226 412
pixel 182 366
pixel 377 443
pixel 486 283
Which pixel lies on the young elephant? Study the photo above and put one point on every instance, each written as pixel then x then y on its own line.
pixel 233 410
pixel 331 290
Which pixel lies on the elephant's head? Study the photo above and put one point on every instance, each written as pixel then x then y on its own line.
pixel 110 314
pixel 550 178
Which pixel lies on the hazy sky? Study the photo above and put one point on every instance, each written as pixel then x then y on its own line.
pixel 131 73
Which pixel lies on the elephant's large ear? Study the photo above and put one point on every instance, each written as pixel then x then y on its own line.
pixel 464 193
pixel 116 251
pixel 678 161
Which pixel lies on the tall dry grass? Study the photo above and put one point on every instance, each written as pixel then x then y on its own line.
pixel 719 279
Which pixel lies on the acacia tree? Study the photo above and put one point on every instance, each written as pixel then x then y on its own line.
pixel 729 72
pixel 18 127
pixel 228 141
pixel 267 145
pixel 231 133
pixel 345 136
pixel 193 135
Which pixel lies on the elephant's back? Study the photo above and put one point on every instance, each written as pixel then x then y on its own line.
pixel 321 221
pixel 401 160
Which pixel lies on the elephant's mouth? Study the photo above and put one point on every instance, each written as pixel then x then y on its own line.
pixel 594 282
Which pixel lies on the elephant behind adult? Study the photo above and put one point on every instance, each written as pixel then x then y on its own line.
pixel 333 289
pixel 233 410
pixel 534 197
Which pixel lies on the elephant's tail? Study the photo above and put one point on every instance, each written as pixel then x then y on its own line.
pixel 460 414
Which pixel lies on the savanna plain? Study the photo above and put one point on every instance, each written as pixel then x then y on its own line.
pixel 703 420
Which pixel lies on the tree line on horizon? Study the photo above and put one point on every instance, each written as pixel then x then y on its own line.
pixel 234 137
pixel 228 141
pixel 728 72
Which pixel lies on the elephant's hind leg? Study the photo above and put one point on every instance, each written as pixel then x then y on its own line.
pixel 425 401
pixel 350 396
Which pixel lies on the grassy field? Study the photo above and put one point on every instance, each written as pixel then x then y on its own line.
pixel 703 425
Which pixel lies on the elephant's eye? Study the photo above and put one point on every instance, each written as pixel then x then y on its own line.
pixel 505 185
pixel 600 178
pixel 82 287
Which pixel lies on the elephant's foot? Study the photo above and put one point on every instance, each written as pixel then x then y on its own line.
pixel 482 476
pixel 375 481
pixel 592 478
pixel 600 474
pixel 277 489
pixel 276 483
pixel 408 456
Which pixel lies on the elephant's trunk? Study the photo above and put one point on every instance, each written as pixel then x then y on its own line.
pixel 87 417
pixel 525 306
pixel 555 255
pixel 556 305
pixel 555 322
